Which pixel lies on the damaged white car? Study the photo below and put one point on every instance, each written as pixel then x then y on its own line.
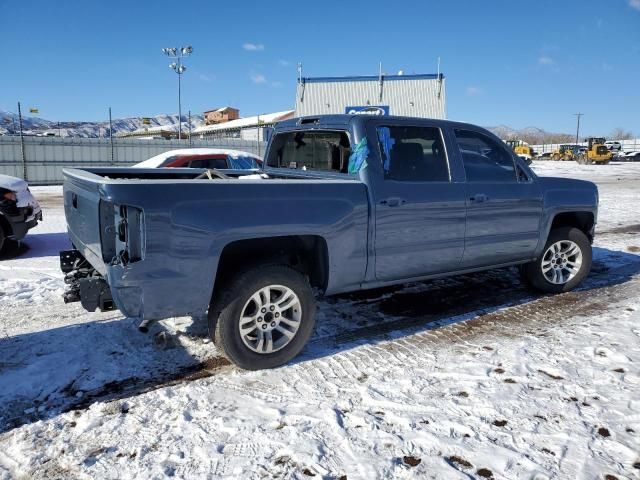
pixel 19 210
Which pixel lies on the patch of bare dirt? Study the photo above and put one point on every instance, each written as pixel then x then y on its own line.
pixel 411 461
pixel 550 375
pixel 459 461
pixel 484 473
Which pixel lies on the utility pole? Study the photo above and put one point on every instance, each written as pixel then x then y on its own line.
pixel 111 135
pixel 24 156
pixel 189 127
pixel 578 115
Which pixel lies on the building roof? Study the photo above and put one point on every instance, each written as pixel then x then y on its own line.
pixel 373 78
pixel 222 109
pixel 159 129
pixel 254 121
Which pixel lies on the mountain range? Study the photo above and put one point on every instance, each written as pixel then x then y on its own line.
pixel 531 135
pixel 39 126
pixel 9 124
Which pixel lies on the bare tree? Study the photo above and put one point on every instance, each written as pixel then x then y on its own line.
pixel 560 138
pixel 620 134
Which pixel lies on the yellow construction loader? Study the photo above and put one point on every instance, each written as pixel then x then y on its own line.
pixel 522 149
pixel 564 153
pixel 597 152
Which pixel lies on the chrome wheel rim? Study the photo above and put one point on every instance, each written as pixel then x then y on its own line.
pixel 270 319
pixel 561 262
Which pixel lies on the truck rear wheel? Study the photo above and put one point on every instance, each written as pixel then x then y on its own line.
pixel 564 263
pixel 264 318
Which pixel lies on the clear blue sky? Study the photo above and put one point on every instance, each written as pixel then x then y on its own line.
pixel 518 63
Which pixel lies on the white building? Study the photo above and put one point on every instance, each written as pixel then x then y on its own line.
pixel 249 128
pixel 405 95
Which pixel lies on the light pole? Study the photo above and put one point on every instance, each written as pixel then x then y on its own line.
pixel 179 68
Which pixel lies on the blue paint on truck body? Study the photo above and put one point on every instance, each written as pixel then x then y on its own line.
pixel 373 231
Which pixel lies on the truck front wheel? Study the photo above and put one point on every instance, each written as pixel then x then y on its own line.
pixel 264 317
pixel 564 263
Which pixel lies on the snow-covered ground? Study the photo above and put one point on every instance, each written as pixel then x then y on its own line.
pixel 472 377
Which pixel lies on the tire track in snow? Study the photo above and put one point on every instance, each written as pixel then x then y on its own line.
pixel 403 340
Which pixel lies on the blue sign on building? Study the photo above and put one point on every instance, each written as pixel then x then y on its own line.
pixel 368 110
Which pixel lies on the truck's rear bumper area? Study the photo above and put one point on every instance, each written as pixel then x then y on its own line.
pixel 119 289
pixel 84 284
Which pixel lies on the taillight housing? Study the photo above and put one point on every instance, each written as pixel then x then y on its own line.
pixel 130 234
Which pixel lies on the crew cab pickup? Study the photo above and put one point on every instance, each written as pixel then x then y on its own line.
pixel 342 203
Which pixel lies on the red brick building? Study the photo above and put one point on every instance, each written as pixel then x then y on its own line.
pixel 221 115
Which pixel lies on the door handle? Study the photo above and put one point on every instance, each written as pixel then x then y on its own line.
pixel 479 198
pixel 393 202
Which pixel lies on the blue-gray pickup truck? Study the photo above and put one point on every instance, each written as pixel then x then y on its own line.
pixel 342 203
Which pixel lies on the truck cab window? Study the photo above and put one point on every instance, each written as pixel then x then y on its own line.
pixel 216 163
pixel 413 154
pixel 485 160
pixel 312 150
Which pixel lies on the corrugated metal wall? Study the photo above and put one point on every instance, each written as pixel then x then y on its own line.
pixel 47 156
pixel 406 95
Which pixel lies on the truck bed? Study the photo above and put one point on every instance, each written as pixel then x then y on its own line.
pixel 152 232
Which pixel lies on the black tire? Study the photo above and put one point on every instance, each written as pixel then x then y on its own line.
pixel 225 312
pixel 532 272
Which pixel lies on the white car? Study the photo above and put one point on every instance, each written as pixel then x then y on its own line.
pixel 19 210
pixel 630 156
pixel 612 145
pixel 218 158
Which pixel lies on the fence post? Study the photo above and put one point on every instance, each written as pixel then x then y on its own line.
pixel 111 135
pixel 22 152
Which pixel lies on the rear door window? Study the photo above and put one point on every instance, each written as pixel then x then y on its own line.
pixel 485 160
pixel 413 154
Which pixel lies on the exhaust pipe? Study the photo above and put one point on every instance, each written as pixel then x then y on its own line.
pixel 144 326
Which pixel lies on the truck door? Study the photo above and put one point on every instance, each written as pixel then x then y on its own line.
pixel 419 210
pixel 504 206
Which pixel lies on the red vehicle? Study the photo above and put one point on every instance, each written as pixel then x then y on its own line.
pixel 218 158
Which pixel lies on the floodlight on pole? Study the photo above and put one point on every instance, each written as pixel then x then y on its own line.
pixel 179 68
